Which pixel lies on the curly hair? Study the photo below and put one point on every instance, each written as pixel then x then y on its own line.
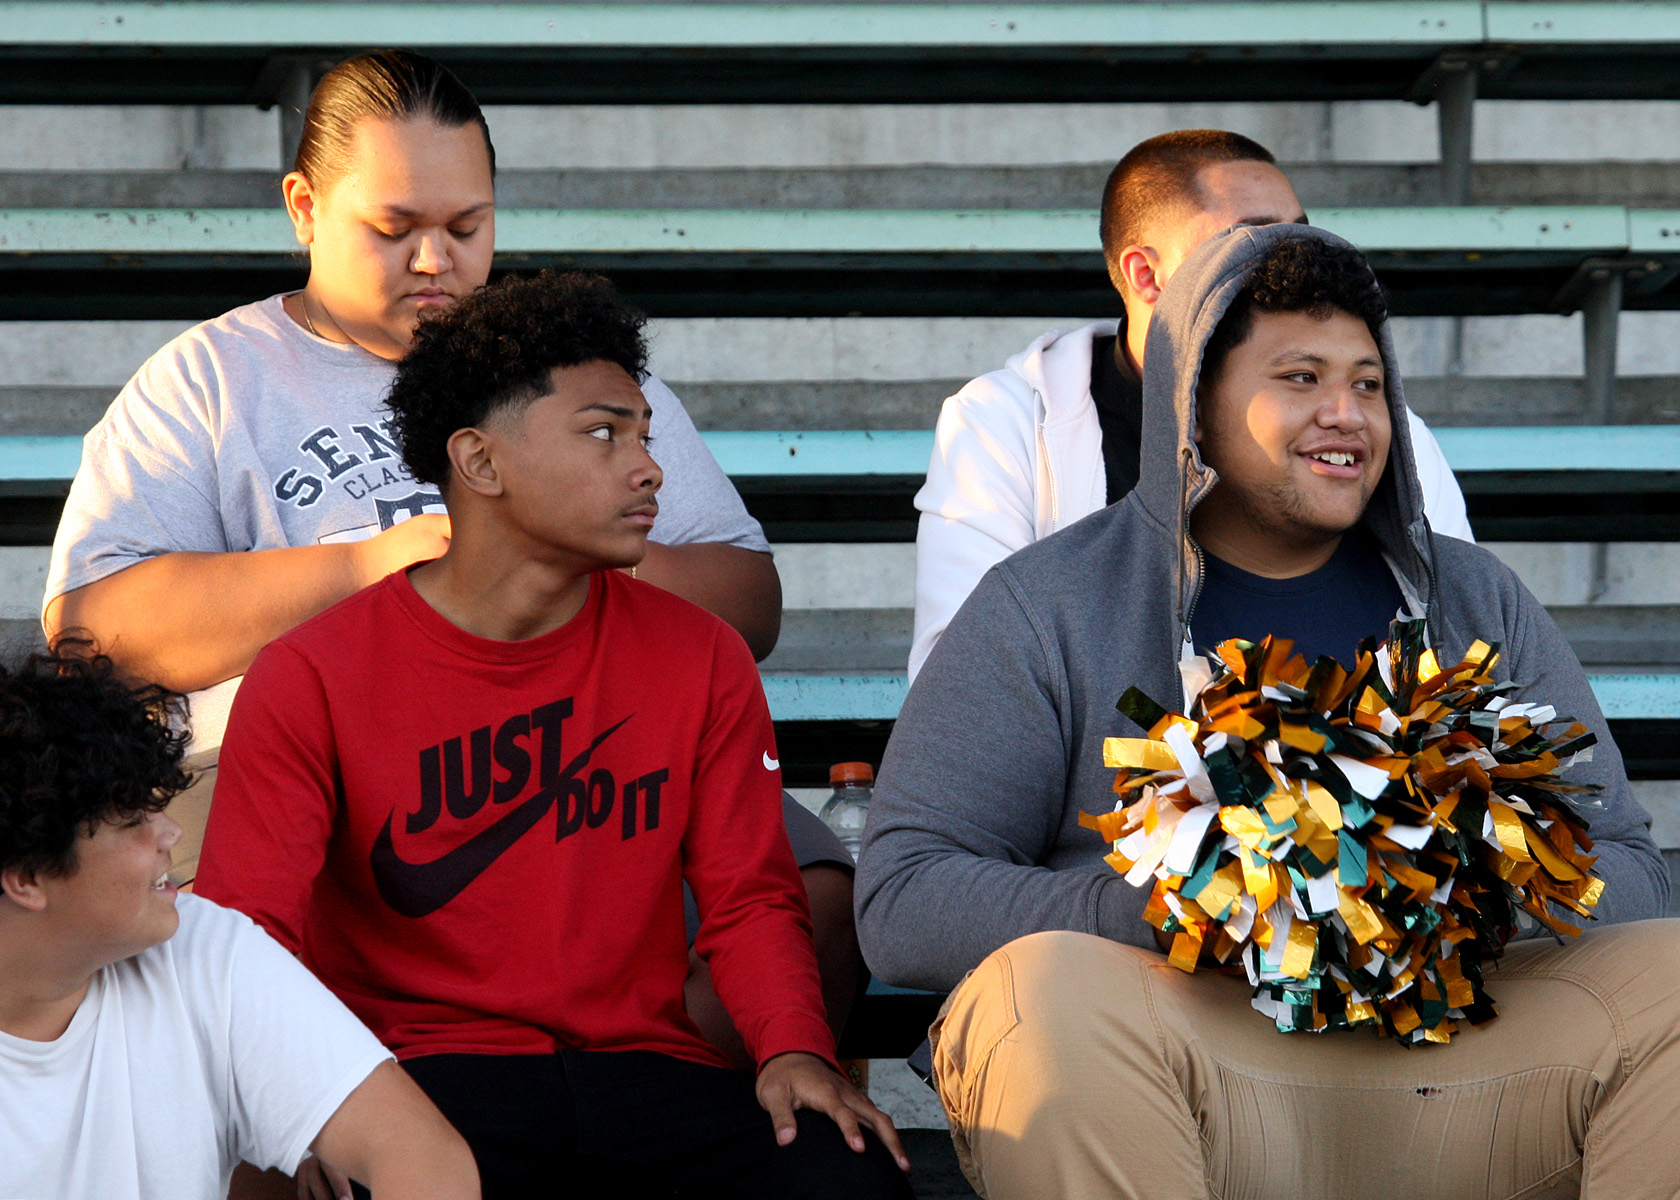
pixel 1299 274
pixel 496 348
pixel 80 747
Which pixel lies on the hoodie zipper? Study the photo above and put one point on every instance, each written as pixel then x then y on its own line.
pixel 1049 472
pixel 1201 562
pixel 1201 573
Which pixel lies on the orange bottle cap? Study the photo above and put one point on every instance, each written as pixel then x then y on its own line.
pixel 853 772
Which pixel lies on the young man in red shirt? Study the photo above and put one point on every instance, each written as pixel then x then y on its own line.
pixel 469 796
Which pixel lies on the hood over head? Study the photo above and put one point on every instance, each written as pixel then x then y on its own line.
pixel 1173 479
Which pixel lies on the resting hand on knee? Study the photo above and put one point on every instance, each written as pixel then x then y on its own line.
pixel 798 1080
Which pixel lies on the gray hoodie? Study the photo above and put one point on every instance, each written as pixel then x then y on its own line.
pixel 974 838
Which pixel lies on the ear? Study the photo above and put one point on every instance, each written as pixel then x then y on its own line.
pixel 473 461
pixel 1138 267
pixel 23 888
pixel 300 205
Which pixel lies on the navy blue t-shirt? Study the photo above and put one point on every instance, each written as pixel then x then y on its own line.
pixel 1327 611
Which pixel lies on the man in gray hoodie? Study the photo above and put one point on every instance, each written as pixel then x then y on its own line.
pixel 1277 494
pixel 1053 435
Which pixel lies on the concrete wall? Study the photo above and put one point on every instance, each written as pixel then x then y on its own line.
pixel 105 353
pixel 229 138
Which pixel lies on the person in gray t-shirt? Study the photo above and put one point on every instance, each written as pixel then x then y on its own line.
pixel 245 479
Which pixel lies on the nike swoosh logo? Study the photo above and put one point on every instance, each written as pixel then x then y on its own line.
pixel 420 889
pixel 771 764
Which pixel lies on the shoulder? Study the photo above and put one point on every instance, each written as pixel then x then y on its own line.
pixel 197 962
pixel 1477 594
pixel 669 414
pixel 657 614
pixel 208 929
pixel 1093 548
pixel 366 618
pixel 183 378
pixel 1465 567
pixel 1054 370
pixel 667 627
pixel 238 332
pixel 1110 566
pixel 659 392
pixel 1111 570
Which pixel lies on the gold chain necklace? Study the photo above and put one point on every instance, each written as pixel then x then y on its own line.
pixel 303 299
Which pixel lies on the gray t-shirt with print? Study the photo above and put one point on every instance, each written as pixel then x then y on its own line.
pixel 249 433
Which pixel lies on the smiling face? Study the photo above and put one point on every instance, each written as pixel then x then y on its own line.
pixel 572 469
pixel 116 901
pixel 409 224
pixel 1296 425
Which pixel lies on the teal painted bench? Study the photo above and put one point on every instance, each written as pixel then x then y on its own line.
pixel 823 719
pixel 179 263
pixel 1634 697
pixel 1555 483
pixel 1558 483
pixel 204 52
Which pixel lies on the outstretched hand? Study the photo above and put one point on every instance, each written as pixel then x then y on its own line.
pixel 799 1080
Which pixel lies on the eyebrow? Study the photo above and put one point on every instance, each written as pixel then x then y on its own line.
pixel 1318 360
pixel 394 210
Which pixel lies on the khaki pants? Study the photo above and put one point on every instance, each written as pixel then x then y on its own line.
pixel 1075 1067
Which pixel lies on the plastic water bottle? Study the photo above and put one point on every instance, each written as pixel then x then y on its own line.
pixel 848 808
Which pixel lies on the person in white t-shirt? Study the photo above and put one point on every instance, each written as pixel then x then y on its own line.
pixel 245 479
pixel 1054 435
pixel 149 1041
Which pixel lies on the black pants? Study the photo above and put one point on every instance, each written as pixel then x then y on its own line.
pixel 638 1124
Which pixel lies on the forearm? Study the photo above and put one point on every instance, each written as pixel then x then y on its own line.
pixel 1635 885
pixel 926 919
pixel 188 620
pixel 1635 877
pixel 740 586
pixel 389 1137
pixel 428 1170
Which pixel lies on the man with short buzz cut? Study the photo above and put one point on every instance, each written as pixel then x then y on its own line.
pixel 150 1040
pixel 470 797
pixel 1055 433
pixel 1277 495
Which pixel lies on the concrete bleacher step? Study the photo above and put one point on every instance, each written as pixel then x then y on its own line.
pixel 817 640
pixel 1441 400
pixel 913 186
pixel 1621 636
pixel 821 640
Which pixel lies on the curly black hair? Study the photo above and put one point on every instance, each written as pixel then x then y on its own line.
pixel 79 746
pixel 496 348
pixel 1299 274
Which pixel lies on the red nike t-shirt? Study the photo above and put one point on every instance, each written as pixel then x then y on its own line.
pixel 480 845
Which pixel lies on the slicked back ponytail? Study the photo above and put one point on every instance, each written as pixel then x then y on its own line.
pixel 388 84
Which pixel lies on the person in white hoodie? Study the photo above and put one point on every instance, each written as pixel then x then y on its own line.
pixel 1054 435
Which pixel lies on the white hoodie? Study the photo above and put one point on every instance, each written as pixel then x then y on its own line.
pixel 1017 455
